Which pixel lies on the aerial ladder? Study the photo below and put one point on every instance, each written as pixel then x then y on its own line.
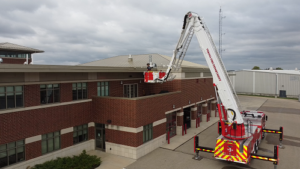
pixel 240 131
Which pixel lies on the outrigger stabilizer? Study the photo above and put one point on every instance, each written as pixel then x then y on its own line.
pixel 240 155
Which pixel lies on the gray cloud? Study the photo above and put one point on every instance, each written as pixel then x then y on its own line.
pixel 263 33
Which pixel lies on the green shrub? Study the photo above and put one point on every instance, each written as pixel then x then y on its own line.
pixel 83 161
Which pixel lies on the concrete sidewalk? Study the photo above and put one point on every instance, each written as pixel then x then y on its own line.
pixel 111 161
pixel 178 140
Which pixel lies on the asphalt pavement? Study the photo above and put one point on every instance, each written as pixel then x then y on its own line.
pixel 281 112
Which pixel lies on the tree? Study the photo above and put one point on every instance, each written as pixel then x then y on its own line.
pixel 256 68
pixel 278 68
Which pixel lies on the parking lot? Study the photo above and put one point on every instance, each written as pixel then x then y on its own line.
pixel 281 112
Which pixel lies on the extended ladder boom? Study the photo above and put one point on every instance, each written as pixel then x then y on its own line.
pixel 193 24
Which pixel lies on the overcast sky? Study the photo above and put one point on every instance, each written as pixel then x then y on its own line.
pixel 265 33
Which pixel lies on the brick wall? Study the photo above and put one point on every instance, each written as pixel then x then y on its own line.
pixel 136 113
pixel 14 60
pixel 92 89
pixel 66 140
pixel 33 150
pixel 159 130
pixel 91 133
pixel 120 111
pixel 31 95
pixel 179 120
pixel 24 124
pixel 124 138
pixel 66 94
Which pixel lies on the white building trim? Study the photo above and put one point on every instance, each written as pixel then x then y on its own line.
pixel 66 130
pixel 33 139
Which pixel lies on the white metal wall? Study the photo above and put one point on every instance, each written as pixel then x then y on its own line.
pixel 290 83
pixel 244 82
pixel 266 83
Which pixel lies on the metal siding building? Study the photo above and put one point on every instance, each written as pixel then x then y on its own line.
pixel 266 82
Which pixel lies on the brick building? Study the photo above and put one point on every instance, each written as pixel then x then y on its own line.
pixel 49 111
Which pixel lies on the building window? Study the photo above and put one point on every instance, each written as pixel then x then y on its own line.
pixel 102 88
pixel 147 133
pixel 79 91
pixel 130 90
pixel 12 153
pixel 49 93
pixel 11 97
pixel 50 142
pixel 80 133
pixel 10 54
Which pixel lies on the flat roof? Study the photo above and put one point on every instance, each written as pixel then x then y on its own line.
pixel 69 68
pixel 139 61
pixel 15 47
pixel 297 72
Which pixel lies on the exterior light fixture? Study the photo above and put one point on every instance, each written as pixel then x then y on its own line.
pixel 173 106
pixel 189 102
pixel 121 82
pixel 201 98
pixel 140 81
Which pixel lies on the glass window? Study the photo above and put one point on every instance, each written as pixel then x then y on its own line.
pixel 50 142
pixel 79 91
pixel 147 133
pixel 11 97
pixel 102 88
pixel 49 93
pixel 130 90
pixel 12 153
pixel 80 133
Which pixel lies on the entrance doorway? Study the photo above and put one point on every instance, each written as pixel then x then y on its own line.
pixel 171 125
pixel 100 136
pixel 187 117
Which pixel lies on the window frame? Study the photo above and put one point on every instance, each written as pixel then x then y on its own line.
pixel 129 90
pixel 15 148
pixel 53 139
pixel 15 97
pixel 82 130
pixel 53 91
pixel 99 86
pixel 86 89
pixel 147 133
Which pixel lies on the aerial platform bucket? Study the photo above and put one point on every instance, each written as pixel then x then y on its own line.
pixel 153 76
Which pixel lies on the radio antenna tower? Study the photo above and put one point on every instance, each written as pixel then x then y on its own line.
pixel 221 17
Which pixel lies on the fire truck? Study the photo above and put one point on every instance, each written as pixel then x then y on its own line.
pixel 240 131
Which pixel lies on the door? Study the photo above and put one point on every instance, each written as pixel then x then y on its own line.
pixel 171 125
pixel 100 137
pixel 187 117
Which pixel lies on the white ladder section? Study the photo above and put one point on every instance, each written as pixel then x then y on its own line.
pixel 185 47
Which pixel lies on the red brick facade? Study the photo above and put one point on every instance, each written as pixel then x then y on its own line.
pixel 91 133
pixel 126 112
pixel 14 60
pixel 66 92
pixel 31 95
pixel 25 124
pixel 159 130
pixel 124 138
pixel 33 150
pixel 66 140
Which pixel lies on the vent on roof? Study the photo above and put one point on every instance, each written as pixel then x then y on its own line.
pixel 130 59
